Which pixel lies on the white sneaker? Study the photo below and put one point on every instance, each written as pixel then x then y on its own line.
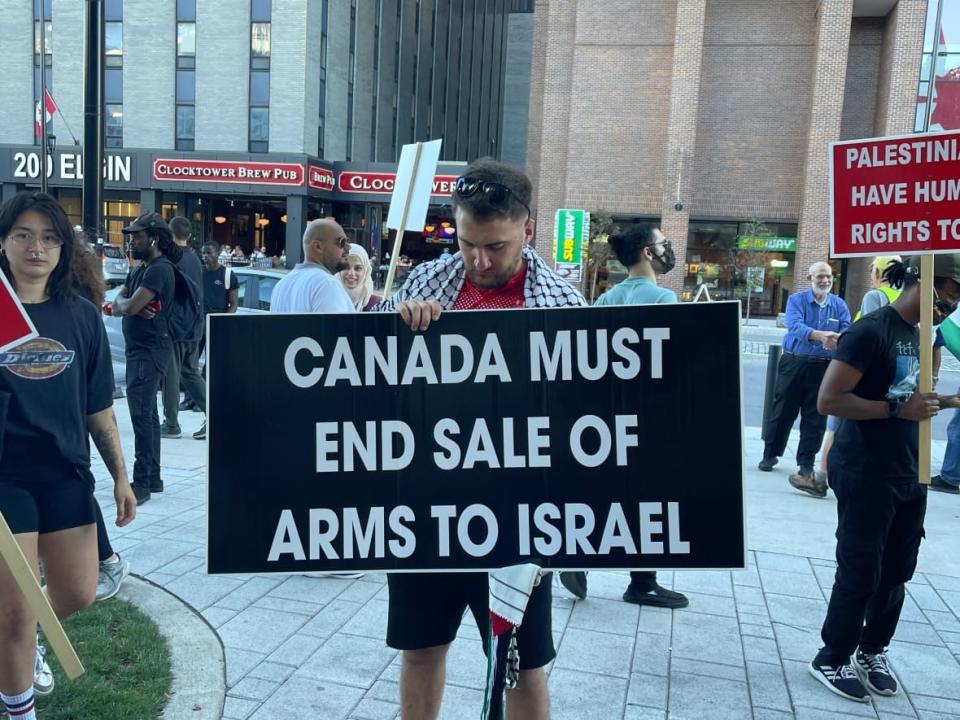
pixel 42 675
pixel 111 576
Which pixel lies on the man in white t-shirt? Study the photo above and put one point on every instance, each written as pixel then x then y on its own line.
pixel 312 286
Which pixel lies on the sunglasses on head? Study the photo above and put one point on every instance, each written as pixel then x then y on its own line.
pixel 495 193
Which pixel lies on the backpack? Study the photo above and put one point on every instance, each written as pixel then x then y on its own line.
pixel 186 314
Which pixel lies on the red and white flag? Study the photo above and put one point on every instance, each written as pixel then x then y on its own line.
pixel 15 324
pixel 51 109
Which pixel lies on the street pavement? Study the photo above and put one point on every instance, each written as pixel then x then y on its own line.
pixel 313 648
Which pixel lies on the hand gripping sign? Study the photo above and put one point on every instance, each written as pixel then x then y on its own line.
pixel 899 195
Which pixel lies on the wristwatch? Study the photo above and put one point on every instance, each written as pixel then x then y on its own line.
pixel 893 408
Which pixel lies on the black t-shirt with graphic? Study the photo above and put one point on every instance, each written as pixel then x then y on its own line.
pixel 884 348
pixel 144 337
pixel 215 289
pixel 55 380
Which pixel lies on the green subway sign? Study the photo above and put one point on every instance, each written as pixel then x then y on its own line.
pixel 570 231
pixel 767 244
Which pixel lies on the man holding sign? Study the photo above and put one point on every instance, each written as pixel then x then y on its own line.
pixel 873 385
pixel 495 269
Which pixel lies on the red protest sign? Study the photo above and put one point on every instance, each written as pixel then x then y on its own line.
pixel 15 326
pixel 895 195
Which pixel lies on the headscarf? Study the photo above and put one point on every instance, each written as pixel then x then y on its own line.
pixel 360 294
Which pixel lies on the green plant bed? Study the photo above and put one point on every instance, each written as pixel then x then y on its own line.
pixel 127 665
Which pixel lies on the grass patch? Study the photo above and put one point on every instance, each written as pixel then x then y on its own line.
pixel 127 665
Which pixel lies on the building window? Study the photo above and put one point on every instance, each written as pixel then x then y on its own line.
pixel 260 88
pixel 259 129
pixel 186 117
pixel 113 43
pixel 114 126
pixel 187 10
pixel 42 48
pixel 186 39
pixel 259 95
pixel 186 82
pixel 113 10
pixel 260 40
pixel 322 104
pixel 946 111
pixel 260 10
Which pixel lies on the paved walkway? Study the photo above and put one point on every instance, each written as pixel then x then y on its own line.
pixel 313 649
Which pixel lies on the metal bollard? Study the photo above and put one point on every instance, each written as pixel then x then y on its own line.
pixel 773 361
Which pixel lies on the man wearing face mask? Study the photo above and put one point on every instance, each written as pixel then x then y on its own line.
pixel 815 320
pixel 646 253
pixel 144 302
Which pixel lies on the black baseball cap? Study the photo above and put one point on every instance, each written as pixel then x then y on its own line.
pixel 944 266
pixel 147 221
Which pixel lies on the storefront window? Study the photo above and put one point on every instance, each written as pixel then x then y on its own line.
pixel 741 261
pixel 116 216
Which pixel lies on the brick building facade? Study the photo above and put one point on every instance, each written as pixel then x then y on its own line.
pixel 711 117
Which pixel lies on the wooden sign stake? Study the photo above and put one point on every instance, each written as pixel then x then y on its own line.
pixel 27 582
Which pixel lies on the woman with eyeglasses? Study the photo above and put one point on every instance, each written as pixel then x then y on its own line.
pixel 357 278
pixel 59 390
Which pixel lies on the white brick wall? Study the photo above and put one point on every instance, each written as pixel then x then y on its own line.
pixel 16 77
pixel 68 52
pixel 149 73
pixel 338 55
pixel 223 74
pixel 287 78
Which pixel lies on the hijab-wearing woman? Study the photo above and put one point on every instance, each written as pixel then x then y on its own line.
pixel 59 389
pixel 357 278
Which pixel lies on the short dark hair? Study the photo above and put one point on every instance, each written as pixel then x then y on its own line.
pixel 181 227
pixel 489 170
pixel 60 282
pixel 212 244
pixel 628 245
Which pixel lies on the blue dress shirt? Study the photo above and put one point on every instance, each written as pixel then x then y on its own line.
pixel 805 314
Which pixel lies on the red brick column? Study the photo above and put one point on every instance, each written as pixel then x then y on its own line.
pixel 682 133
pixel 826 110
pixel 554 35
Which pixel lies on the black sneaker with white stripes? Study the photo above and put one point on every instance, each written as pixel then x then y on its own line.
pixel 874 670
pixel 840 679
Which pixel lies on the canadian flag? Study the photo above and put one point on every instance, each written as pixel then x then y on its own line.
pixel 51 107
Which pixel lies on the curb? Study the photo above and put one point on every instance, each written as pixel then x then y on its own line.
pixel 196 653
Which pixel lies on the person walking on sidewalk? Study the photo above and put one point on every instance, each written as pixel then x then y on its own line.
pixel 183 369
pixel 815 319
pixel 645 251
pixel 495 268
pixel 56 393
pixel 220 288
pixel 872 384
pixel 144 303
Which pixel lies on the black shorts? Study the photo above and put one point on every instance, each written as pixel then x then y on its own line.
pixel 426 610
pixel 46 497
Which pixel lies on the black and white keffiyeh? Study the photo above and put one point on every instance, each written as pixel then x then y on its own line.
pixel 442 279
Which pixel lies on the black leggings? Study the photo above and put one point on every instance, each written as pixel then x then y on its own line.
pixel 104 548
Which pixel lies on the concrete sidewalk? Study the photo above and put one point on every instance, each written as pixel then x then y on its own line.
pixel 313 648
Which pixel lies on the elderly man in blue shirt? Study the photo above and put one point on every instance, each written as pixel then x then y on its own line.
pixel 815 320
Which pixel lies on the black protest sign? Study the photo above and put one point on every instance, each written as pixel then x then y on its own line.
pixel 605 437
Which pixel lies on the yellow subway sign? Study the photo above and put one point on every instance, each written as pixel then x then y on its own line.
pixel 767 244
pixel 570 231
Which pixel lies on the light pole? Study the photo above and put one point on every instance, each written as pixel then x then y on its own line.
pixel 43 100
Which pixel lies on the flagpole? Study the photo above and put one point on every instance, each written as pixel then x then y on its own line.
pixel 43 100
